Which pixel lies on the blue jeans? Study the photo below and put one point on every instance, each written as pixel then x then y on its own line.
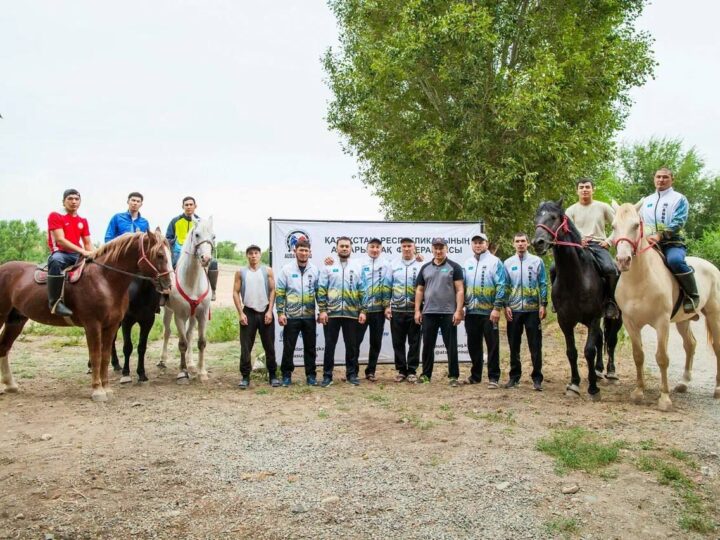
pixel 675 256
pixel 59 261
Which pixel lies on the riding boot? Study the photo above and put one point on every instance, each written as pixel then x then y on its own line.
pixel 213 279
pixel 55 286
pixel 611 308
pixel 689 286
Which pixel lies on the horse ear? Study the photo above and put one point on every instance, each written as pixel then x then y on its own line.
pixel 638 205
pixel 561 202
pixel 614 205
pixel 158 233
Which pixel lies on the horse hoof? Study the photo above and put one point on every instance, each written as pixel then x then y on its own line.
pixel 161 364
pixel 12 389
pixel 664 403
pixel 203 377
pixel 572 390
pixel 193 370
pixel 599 374
pixel 637 397
pixel 612 377
pixel 143 381
pixel 125 379
pixel 117 368
pixel 595 397
pixel 183 378
pixel 680 388
pixel 89 371
pixel 716 395
pixel 99 395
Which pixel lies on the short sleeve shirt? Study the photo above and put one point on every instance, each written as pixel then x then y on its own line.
pixel 439 282
pixel 75 229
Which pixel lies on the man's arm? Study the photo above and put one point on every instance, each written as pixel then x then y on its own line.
pixel 170 233
pixel 111 232
pixel 322 296
pixel 271 296
pixel 542 281
pixel 459 301
pixel 60 241
pixel 419 295
pixel 237 298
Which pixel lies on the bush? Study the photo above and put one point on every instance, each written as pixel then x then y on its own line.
pixel 21 241
pixel 707 247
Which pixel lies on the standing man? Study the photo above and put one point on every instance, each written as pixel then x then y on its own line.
pixel 254 297
pixel 339 299
pixel 525 308
pixel 439 299
pixel 401 312
pixel 68 238
pixel 485 285
pixel 665 213
pixel 178 230
pixel 592 219
pixel 128 222
pixel 297 286
pixel 376 298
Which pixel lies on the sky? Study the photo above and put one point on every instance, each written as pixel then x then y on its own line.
pixel 226 101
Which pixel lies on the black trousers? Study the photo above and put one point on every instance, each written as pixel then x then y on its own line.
pixel 256 323
pixel 291 331
pixel 350 333
pixel 433 322
pixel 376 323
pixel 403 328
pixel 530 321
pixel 479 328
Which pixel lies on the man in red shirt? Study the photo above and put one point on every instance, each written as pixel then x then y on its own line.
pixel 68 238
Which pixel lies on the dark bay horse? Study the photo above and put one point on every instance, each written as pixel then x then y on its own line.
pixel 98 301
pixel 144 302
pixel 577 294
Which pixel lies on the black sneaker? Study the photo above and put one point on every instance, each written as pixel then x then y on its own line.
pixel 537 386
pixel 274 382
pixel 327 381
pixel 353 379
pixel 244 383
pixel 512 383
pixel 311 380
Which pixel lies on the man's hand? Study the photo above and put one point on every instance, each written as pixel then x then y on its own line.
pixel 654 238
pixel 495 316
pixel 419 257
pixel 457 317
pixel 605 244
pixel 418 317
pixel 585 241
pixel 508 314
pixel 362 318
pixel 243 319
pixel 542 312
pixel 323 318
pixel 388 313
pixel 282 320
pixel 329 261
pixel 268 317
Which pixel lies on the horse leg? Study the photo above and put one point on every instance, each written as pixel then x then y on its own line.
pixel 639 358
pixel 182 377
pixel 598 344
pixel 145 327
pixel 192 368
pixel 663 361
pixel 115 359
pixel 689 344
pixel 11 330
pixel 612 329
pixel 127 325
pixel 93 337
pixel 167 330
pixel 591 350
pixel 107 338
pixel 572 389
pixel 712 323
pixel 202 372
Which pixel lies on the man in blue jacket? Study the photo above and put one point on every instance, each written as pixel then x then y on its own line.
pixel 128 222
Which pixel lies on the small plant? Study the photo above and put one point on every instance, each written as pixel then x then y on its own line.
pixel 323 414
pixel 647 444
pixel 562 526
pixel 262 391
pixel 579 449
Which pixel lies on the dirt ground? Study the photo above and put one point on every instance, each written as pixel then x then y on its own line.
pixel 381 460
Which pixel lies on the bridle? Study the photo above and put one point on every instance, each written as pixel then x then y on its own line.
pixel 562 228
pixel 636 243
pixel 143 257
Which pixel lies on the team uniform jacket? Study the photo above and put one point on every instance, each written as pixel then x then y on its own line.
pixel 376 281
pixel 665 212
pixel 404 276
pixel 485 284
pixel 124 223
pixel 178 229
pixel 526 283
pixel 296 291
pixel 340 290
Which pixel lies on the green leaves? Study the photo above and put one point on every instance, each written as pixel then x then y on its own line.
pixel 22 241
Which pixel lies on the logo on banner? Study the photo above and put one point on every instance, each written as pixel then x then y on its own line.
pixel 294 237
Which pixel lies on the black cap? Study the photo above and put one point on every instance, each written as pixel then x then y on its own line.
pixel 405 239
pixel 69 192
pixel 252 247
pixel 439 241
pixel 375 241
pixel 479 236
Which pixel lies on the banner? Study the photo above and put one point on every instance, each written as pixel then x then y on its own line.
pixel 322 236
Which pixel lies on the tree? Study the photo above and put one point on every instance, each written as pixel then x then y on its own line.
pixel 21 241
pixel 468 109
pixel 631 178
pixel 226 249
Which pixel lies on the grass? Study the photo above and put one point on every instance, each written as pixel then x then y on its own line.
pixel 381 399
pixel 562 526
pixel 446 413
pixel 498 417
pixel 417 422
pixel 579 449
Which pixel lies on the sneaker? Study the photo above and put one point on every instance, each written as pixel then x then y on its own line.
pixel 353 379
pixel 412 378
pixel 399 378
pixel 470 380
pixel 274 382
pixel 537 385
pixel 287 380
pixel 424 379
pixel 493 385
pixel 512 383
pixel 327 381
pixel 453 382
pixel 371 377
pixel 244 383
pixel 311 380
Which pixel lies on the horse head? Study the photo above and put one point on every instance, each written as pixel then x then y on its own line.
pixel 155 260
pixel 627 233
pixel 201 241
pixel 550 221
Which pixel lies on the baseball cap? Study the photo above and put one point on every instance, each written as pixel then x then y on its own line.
pixel 439 241
pixel 405 239
pixel 375 241
pixel 481 236
pixel 252 247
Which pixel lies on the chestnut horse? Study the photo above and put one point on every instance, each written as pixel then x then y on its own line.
pixel 98 300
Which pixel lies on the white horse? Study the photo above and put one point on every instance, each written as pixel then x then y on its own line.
pixel 648 294
pixel 189 300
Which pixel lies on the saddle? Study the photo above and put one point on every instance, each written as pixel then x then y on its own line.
pixel 72 273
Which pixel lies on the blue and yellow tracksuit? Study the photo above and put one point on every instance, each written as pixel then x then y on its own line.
pixel 376 281
pixel 526 283
pixel 403 281
pixel 485 284
pixel 340 290
pixel 296 291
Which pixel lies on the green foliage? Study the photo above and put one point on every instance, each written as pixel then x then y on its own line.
pixel 223 325
pixel 634 170
pixel 21 241
pixel 707 247
pixel 562 526
pixel 580 449
pixel 460 110
pixel 227 250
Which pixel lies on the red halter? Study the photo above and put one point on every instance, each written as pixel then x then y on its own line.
pixel 636 243
pixel 194 303
pixel 563 227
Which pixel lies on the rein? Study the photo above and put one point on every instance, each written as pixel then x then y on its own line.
pixel 563 227
pixel 143 257
pixel 636 243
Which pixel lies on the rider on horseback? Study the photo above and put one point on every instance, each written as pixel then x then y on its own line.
pixel 664 213
pixel 68 238
pixel 592 219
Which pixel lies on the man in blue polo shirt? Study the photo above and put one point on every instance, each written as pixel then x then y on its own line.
pixel 128 222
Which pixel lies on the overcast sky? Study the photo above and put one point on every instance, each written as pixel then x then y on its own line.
pixel 225 100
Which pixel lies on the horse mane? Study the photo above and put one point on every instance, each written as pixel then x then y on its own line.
pixel 116 249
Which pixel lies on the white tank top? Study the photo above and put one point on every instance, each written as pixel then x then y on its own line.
pixel 255 294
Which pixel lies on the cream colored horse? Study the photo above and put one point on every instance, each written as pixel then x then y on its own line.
pixel 647 294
